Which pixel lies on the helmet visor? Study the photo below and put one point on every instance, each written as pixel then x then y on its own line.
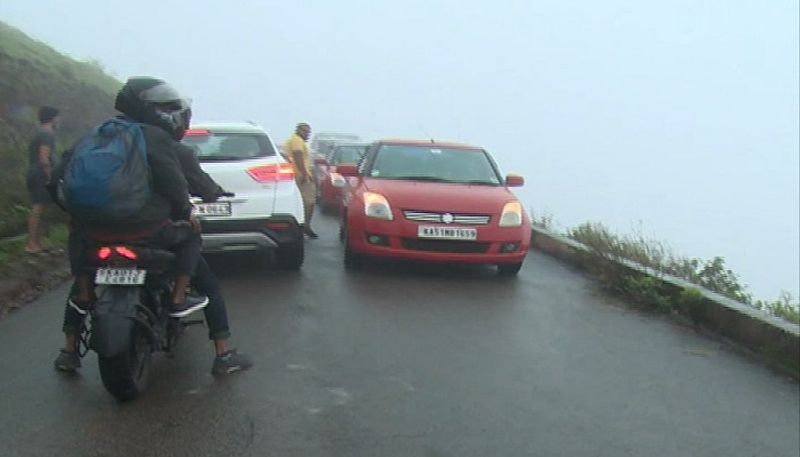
pixel 165 94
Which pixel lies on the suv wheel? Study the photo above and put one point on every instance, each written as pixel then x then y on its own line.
pixel 290 256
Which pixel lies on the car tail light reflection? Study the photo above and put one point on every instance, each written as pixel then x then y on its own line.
pixel 194 132
pixel 278 226
pixel 272 173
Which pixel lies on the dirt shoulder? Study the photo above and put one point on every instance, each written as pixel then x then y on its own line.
pixel 25 277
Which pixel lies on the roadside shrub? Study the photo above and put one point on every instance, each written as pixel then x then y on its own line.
pixel 783 307
pixel 649 292
pixel 544 221
pixel 688 303
pixel 606 249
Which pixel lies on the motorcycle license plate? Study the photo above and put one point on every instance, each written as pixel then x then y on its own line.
pixel 120 276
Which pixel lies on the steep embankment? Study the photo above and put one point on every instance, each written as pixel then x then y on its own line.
pixel 33 74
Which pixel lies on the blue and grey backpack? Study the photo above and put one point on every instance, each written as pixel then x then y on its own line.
pixel 107 178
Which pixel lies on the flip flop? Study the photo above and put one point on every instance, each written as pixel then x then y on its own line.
pixel 54 251
pixel 35 251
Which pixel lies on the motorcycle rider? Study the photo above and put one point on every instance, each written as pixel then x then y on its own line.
pixel 159 108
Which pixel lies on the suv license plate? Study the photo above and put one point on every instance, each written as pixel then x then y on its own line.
pixel 120 276
pixel 447 233
pixel 212 209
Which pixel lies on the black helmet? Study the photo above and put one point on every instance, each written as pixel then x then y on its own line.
pixel 153 101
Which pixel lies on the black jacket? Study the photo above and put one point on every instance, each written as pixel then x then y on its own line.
pixel 169 197
pixel 200 183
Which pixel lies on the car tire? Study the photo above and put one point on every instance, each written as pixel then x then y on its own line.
pixel 352 261
pixel 290 256
pixel 325 208
pixel 508 269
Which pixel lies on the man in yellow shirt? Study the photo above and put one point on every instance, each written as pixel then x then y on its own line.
pixel 298 154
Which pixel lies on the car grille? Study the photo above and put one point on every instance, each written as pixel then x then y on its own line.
pixel 451 246
pixel 463 219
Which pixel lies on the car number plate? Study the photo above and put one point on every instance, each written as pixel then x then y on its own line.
pixel 212 209
pixel 447 233
pixel 120 276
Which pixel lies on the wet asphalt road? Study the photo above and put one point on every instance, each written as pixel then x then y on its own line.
pixel 406 360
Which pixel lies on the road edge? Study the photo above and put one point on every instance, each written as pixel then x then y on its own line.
pixel 773 340
pixel 30 279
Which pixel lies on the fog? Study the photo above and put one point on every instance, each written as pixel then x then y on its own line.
pixel 679 119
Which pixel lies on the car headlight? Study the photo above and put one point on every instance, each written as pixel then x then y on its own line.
pixel 337 180
pixel 512 215
pixel 376 206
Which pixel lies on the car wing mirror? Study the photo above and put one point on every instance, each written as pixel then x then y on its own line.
pixel 515 181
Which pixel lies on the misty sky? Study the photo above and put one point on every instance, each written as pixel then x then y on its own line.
pixel 676 118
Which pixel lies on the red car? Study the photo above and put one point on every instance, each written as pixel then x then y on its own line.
pixel 434 202
pixel 329 182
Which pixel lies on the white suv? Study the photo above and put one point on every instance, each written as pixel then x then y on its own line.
pixel 267 210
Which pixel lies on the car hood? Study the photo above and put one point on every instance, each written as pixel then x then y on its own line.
pixel 441 197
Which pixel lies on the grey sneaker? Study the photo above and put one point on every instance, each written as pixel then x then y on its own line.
pixel 67 361
pixel 80 306
pixel 231 362
pixel 190 305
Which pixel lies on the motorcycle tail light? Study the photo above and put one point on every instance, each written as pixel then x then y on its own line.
pixel 104 253
pixel 126 252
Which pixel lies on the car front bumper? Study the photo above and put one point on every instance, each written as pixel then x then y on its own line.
pixel 400 240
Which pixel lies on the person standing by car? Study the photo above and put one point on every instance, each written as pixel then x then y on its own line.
pixel 297 150
pixel 41 161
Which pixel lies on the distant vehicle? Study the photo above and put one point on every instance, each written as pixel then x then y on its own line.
pixel 281 150
pixel 329 182
pixel 323 141
pixel 435 202
pixel 267 211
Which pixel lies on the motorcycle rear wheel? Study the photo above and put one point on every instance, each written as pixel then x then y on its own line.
pixel 125 375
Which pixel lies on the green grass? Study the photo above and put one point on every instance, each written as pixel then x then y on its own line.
pixel 12 251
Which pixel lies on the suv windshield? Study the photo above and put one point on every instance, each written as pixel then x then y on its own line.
pixel 210 146
pixel 347 154
pixel 437 164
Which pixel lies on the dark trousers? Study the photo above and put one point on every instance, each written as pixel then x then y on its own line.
pixel 204 281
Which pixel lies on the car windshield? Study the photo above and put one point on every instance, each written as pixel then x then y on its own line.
pixel 436 164
pixel 210 146
pixel 347 154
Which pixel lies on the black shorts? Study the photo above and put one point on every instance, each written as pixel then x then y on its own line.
pixel 37 188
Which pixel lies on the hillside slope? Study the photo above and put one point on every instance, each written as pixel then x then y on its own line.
pixel 34 74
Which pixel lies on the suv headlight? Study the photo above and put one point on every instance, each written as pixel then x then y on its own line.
pixel 512 215
pixel 376 206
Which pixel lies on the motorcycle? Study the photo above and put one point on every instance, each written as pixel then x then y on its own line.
pixel 130 319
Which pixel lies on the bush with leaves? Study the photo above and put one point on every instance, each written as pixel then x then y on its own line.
pixel 606 248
